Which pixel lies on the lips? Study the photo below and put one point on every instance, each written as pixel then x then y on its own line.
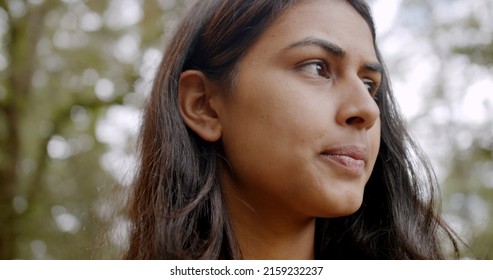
pixel 351 159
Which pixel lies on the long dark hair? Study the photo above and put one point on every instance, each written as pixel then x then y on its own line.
pixel 177 210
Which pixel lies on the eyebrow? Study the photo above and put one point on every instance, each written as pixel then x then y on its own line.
pixel 374 67
pixel 324 44
pixel 334 50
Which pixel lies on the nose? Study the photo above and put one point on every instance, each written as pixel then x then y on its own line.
pixel 357 107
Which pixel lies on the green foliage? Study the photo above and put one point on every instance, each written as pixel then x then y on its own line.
pixel 456 116
pixel 68 64
pixel 479 54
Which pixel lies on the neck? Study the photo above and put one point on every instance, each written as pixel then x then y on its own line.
pixel 266 234
pixel 264 244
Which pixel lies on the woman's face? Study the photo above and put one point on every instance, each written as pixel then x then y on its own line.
pixel 301 132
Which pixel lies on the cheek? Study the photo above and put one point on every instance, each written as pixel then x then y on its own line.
pixel 266 125
pixel 374 135
pixel 275 119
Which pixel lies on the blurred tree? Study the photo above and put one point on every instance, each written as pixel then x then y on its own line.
pixel 450 45
pixel 72 78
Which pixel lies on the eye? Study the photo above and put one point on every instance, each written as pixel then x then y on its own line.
pixel 371 86
pixel 315 69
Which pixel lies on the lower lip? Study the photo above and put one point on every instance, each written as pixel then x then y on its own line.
pixel 349 165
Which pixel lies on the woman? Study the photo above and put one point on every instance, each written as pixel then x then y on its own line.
pixel 272 133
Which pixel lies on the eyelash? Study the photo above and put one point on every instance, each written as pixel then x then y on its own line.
pixel 322 66
pixel 372 87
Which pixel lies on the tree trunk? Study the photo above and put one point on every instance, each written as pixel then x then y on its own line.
pixel 20 40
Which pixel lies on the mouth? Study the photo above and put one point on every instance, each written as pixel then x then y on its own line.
pixel 350 159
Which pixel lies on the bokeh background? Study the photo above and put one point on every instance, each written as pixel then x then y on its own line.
pixel 74 75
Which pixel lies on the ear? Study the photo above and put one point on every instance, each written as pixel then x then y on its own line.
pixel 196 94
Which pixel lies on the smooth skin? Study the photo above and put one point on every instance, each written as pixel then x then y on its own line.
pixel 301 131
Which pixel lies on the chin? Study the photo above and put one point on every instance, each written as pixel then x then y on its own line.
pixel 345 207
pixel 351 210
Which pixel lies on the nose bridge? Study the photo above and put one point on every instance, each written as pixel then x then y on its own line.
pixel 358 108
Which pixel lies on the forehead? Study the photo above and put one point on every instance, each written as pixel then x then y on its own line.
pixel 332 20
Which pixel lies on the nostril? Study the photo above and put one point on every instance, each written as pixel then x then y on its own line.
pixel 355 120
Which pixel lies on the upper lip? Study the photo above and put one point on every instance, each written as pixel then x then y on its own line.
pixel 353 151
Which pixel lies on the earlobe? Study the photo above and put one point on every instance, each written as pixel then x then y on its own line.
pixel 195 94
